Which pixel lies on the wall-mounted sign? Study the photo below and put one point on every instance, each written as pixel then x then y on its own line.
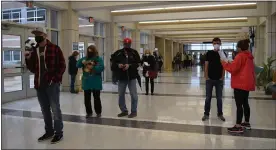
pixel 29 4
pixel 75 46
pixel 91 19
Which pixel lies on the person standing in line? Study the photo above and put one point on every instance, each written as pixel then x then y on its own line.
pixel 214 75
pixel 242 81
pixel 125 63
pixel 73 70
pixel 92 66
pixel 159 59
pixel 149 70
pixel 47 62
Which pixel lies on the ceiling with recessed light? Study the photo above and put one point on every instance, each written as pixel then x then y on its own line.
pixel 183 21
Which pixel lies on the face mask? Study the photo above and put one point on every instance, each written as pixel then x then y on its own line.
pixel 39 39
pixel 216 47
pixel 147 54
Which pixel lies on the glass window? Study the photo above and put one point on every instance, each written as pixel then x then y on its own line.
pixel 7 55
pixel 6 16
pixel 30 16
pixel 16 55
pixel 54 37
pixel 41 15
pixel 11 41
pixel 54 19
pixel 16 16
pixel 13 84
pixel 81 49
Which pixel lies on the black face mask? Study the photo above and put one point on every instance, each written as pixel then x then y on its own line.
pixel 90 54
pixel 39 39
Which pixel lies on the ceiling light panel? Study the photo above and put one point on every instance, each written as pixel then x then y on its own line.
pixel 232 6
pixel 190 21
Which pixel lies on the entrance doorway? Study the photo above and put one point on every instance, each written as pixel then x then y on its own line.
pixel 17 81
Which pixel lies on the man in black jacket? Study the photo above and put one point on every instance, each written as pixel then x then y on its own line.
pixel 73 70
pixel 125 63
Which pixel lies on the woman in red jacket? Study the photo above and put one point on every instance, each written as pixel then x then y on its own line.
pixel 242 81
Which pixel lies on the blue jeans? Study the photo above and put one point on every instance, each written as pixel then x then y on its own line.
pixel 218 84
pixel 49 100
pixel 133 93
pixel 72 84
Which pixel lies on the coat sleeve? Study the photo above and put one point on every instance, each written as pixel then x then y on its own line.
pixel 79 63
pixel 100 66
pixel 31 63
pixel 233 67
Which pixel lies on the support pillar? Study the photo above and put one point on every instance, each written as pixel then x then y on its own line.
pixel 69 33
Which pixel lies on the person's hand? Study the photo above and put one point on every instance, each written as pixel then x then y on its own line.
pixel 84 62
pixel 93 63
pixel 28 54
pixel 121 66
pixel 222 78
pixel 126 66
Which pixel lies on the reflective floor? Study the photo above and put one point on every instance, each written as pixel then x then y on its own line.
pixel 169 119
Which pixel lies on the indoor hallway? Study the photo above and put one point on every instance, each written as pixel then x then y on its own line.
pixel 169 119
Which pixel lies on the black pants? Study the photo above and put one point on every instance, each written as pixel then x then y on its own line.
pixel 97 101
pixel 241 98
pixel 151 84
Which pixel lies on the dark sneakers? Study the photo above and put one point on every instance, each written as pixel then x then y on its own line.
pixel 45 137
pixel 132 115
pixel 221 117
pixel 56 139
pixel 205 117
pixel 235 129
pixel 122 114
pixel 246 125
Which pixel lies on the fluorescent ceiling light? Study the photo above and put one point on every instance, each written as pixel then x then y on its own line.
pixel 89 25
pixel 216 19
pixel 198 6
pixel 203 6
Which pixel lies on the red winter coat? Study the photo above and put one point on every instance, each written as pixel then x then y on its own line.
pixel 242 71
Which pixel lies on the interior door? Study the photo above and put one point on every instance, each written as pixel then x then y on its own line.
pixel 17 81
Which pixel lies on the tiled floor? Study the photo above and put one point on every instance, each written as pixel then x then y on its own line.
pixel 169 119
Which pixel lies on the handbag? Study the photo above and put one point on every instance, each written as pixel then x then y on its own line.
pixel 152 74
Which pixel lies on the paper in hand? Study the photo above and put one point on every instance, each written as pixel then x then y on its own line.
pixel 222 56
pixel 146 63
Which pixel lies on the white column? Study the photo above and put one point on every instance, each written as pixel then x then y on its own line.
pixel 111 47
pixel 69 33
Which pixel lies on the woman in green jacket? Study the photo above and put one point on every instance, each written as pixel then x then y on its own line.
pixel 92 66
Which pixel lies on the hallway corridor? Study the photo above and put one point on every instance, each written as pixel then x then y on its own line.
pixel 169 119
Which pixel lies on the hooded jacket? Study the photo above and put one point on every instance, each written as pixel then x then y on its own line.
pixel 72 64
pixel 242 71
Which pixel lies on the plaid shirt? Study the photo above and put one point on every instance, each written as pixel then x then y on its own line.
pixel 54 62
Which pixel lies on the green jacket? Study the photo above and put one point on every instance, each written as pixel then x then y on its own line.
pixel 92 80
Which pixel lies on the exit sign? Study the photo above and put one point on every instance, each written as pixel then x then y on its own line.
pixel 91 19
pixel 29 4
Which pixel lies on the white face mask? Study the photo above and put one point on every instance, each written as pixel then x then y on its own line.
pixel 216 47
pixel 147 54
